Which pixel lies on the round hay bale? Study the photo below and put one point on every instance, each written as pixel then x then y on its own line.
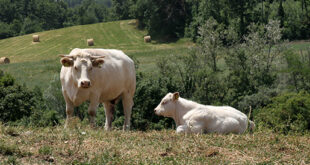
pixel 35 38
pixel 133 22
pixel 4 60
pixel 147 38
pixel 90 42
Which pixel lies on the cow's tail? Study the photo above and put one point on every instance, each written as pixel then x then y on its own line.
pixel 251 125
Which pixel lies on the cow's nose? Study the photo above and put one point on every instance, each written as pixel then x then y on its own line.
pixel 85 84
pixel 155 110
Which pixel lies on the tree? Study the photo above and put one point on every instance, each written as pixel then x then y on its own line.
pixel 210 42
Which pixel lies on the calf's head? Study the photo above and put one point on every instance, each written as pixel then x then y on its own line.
pixel 82 67
pixel 167 106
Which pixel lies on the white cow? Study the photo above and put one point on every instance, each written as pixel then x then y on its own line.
pixel 100 76
pixel 190 116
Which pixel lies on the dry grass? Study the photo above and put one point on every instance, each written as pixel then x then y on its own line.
pixel 88 146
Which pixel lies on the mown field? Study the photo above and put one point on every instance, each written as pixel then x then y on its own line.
pixel 35 63
pixel 82 145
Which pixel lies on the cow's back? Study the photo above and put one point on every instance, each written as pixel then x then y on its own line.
pixel 117 74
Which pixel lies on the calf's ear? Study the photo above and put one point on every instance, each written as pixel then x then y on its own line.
pixel 97 62
pixel 176 96
pixel 67 62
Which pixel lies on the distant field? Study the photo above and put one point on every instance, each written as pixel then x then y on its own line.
pixel 36 63
pixel 87 146
pixel 303 45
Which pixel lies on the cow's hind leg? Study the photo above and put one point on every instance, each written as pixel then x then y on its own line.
pixel 127 101
pixel 109 112
pixel 195 126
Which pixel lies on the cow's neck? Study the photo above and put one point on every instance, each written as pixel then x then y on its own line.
pixel 182 107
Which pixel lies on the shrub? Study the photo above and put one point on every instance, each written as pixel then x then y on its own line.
pixel 15 102
pixel 286 112
pixel 298 69
pixel 149 92
pixel 19 105
pixel 53 97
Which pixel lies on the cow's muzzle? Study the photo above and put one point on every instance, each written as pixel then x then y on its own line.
pixel 85 84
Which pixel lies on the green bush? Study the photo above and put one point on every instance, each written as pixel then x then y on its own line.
pixel 287 112
pixel 16 101
pixel 19 105
pixel 149 92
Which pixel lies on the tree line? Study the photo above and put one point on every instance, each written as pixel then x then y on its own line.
pixel 19 17
pixel 183 17
pixel 164 19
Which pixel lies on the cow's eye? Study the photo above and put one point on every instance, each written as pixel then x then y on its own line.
pixel 91 68
pixel 164 102
pixel 75 68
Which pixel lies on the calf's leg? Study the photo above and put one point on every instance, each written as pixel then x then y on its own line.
pixel 183 129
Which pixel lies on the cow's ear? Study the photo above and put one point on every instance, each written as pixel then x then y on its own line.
pixel 98 62
pixel 176 96
pixel 67 62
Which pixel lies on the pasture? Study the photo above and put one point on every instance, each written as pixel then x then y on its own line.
pixel 82 145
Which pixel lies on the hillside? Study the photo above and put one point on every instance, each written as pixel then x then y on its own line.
pixel 36 63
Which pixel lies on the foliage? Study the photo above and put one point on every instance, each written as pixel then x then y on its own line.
pixel 16 101
pixel 53 97
pixel 149 93
pixel 210 42
pixel 287 112
pixel 21 105
pixel 252 63
pixel 161 18
pixel 24 17
pixel 298 69
pixel 164 19
pixel 185 17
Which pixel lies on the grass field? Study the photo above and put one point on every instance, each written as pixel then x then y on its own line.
pixel 36 63
pixel 87 146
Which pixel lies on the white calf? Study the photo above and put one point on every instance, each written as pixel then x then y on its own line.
pixel 190 116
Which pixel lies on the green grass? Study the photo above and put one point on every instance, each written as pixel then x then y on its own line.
pixel 83 145
pixel 35 63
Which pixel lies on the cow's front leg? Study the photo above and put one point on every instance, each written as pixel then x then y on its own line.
pixel 183 129
pixel 92 112
pixel 69 110
pixel 109 112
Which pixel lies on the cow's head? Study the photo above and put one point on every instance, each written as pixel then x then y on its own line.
pixel 167 106
pixel 82 66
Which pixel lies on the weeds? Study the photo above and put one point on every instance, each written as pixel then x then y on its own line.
pixel 81 145
pixel 46 150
